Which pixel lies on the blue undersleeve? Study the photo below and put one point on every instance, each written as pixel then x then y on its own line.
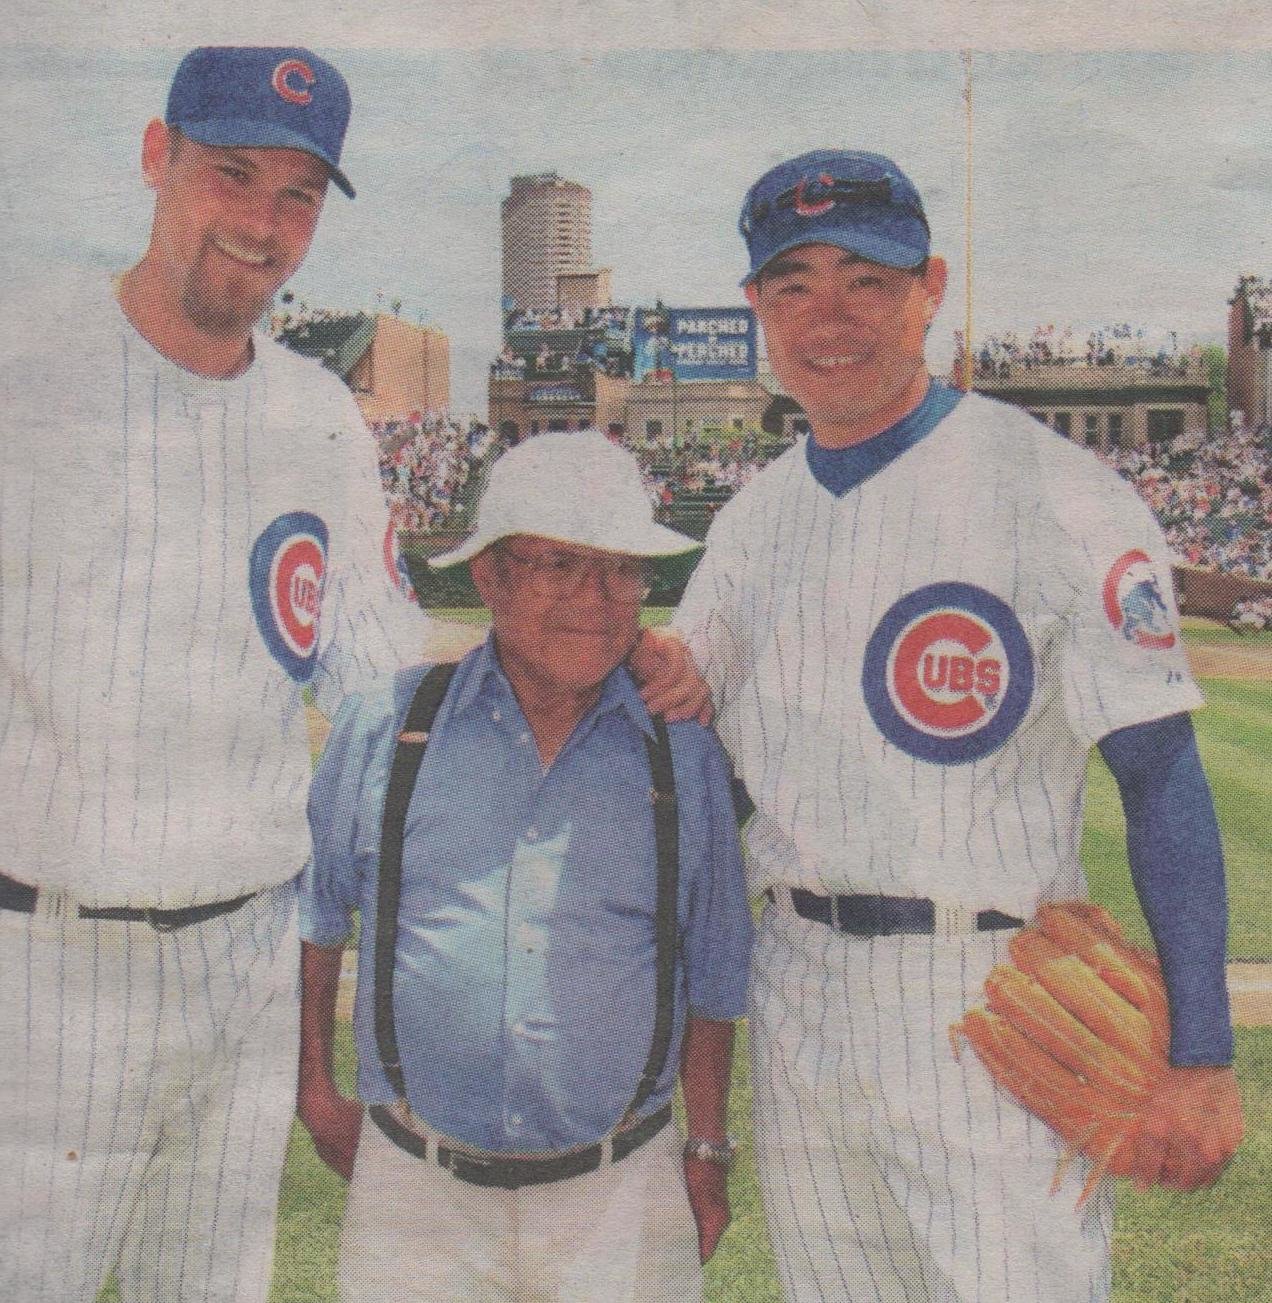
pixel 1172 841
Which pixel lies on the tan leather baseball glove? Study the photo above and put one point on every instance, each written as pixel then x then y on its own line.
pixel 1077 1030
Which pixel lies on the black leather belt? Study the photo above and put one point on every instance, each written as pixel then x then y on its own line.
pixel 21 897
pixel 512 1173
pixel 883 916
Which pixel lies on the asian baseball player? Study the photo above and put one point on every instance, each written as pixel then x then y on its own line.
pixel 915 624
pixel 190 535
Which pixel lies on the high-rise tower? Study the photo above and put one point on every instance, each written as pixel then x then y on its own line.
pixel 547 230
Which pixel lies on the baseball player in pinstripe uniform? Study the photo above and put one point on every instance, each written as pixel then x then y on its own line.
pixel 914 625
pixel 190 528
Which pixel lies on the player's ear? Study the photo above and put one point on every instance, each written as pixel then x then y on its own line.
pixel 752 293
pixel 935 276
pixel 155 147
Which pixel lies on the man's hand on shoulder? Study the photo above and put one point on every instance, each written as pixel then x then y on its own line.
pixel 1192 1125
pixel 670 684
pixel 334 1122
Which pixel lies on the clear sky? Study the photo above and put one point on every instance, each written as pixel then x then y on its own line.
pixel 1108 187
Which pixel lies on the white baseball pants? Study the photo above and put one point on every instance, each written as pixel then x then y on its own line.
pixel 147 1086
pixel 890 1170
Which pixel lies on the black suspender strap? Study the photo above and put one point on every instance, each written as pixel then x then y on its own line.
pixel 666 911
pixel 409 752
pixel 411 741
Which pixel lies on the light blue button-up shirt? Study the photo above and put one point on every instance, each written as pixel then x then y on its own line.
pixel 524 987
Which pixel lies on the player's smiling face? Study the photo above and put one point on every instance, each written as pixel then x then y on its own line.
pixel 845 336
pixel 231 225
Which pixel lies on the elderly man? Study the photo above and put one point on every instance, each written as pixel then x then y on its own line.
pixel 915 625
pixel 542 943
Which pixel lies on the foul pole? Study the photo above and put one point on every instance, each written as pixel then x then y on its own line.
pixel 967 226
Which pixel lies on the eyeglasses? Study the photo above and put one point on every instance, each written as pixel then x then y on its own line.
pixel 562 574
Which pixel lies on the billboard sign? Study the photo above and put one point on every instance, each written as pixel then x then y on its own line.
pixel 694 344
pixel 713 343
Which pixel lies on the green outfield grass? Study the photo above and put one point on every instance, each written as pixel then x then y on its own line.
pixel 1234 735
pixel 1168 1248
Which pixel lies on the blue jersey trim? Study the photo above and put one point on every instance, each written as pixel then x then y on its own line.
pixel 842 469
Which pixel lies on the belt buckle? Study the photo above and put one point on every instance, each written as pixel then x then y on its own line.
pixel 160 924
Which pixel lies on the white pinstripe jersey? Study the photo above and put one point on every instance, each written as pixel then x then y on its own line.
pixel 166 544
pixel 909 678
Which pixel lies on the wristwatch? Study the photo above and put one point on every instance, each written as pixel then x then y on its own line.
pixel 709 1152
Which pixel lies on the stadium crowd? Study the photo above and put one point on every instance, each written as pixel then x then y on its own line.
pixel 1213 498
pixel 1049 345
pixel 1252 614
pixel 567 317
pixel 709 471
pixel 425 461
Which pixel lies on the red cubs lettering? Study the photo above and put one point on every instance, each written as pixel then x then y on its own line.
pixel 962 670
pixel 297 592
pixel 918 671
pixel 304 594
pixel 989 676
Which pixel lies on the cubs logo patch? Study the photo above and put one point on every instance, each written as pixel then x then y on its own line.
pixel 1134 603
pixel 292 80
pixel 286 575
pixel 395 563
pixel 948 673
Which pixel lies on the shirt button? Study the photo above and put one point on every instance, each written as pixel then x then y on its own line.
pixel 496 715
pixel 532 833
pixel 514 1121
pixel 523 737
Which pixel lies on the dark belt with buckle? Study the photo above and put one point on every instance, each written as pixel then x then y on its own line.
pixel 512 1173
pixel 21 897
pixel 883 916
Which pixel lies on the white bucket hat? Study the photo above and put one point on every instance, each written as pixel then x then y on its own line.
pixel 574 487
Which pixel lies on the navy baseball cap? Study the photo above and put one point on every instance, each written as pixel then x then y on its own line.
pixel 862 203
pixel 273 97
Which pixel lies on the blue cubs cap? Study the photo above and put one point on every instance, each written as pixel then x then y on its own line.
pixel 276 97
pixel 862 203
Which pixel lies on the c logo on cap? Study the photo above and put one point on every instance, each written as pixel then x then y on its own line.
pixel 805 209
pixel 286 74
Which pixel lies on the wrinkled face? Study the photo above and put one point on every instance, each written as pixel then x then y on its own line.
pixel 563 615
pixel 845 336
pixel 230 226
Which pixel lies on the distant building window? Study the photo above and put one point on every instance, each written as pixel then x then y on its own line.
pixel 508 429
pixel 1064 423
pixel 1115 429
pixel 617 429
pixel 558 423
pixel 1038 416
pixel 534 427
pixel 584 423
pixel 1165 423
pixel 653 429
pixel 1091 429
